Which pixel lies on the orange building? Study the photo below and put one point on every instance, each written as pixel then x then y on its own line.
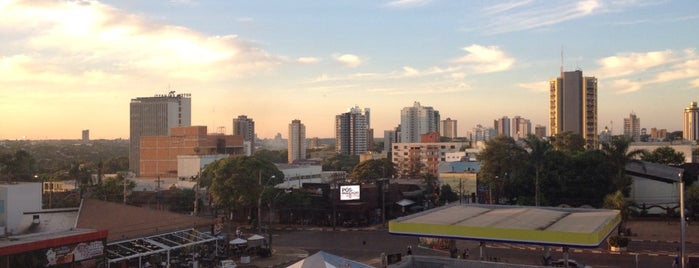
pixel 159 153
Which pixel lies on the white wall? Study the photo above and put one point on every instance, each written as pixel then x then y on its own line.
pixel 18 198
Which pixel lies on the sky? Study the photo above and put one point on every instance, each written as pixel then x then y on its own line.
pixel 66 66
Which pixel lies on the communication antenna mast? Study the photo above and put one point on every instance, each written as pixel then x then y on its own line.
pixel 561 58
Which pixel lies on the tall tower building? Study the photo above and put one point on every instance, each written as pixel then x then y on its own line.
pixel 540 131
pixel 351 132
pixel 573 106
pixel 417 120
pixel 155 116
pixel 690 122
pixel 502 126
pixel 521 127
pixel 244 126
pixel 297 141
pixel 448 128
pixel 632 127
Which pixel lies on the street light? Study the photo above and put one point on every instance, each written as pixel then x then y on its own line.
pixel 681 219
pixel 259 200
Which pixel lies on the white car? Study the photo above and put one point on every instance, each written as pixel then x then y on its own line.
pixel 228 264
pixel 571 263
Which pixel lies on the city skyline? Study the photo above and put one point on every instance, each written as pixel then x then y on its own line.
pixel 68 66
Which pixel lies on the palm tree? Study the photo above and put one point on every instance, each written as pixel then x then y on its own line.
pixel 618 155
pixel 538 151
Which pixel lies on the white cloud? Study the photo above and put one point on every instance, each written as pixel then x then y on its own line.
pixel 409 71
pixel 694 83
pixel 587 6
pixel 486 59
pixel 308 60
pixel 68 40
pixel 636 70
pixel 348 60
pixel 541 86
pixel 407 3
pixel 627 63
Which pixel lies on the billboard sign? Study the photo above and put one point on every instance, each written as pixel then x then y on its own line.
pixel 349 192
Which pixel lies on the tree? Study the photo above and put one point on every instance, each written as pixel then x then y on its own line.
pixel 181 200
pixel 664 155
pixel 370 170
pixel 112 189
pixel 568 142
pixel 17 166
pixel 272 156
pixel 618 155
pixel 538 150
pixel 447 195
pixel 500 159
pixel 340 162
pixel 238 182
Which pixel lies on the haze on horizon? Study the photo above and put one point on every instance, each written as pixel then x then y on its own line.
pixel 66 66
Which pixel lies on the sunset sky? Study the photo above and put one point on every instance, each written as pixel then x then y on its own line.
pixel 66 66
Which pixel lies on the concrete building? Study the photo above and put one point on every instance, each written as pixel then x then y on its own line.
pixel 481 133
pixel 684 147
pixel 417 120
pixel 423 158
pixel 502 126
pixel 632 127
pixel 155 116
pixel 351 132
pixel 390 137
pixel 86 135
pixel 159 153
pixel 15 199
pixel 540 131
pixel 573 106
pixel 521 127
pixel 690 122
pixel 658 134
pixel 245 127
pixel 297 141
pixel 189 166
pixel 448 128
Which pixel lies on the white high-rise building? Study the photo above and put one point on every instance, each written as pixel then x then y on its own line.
pixel 155 116
pixel 448 128
pixel 690 122
pixel 632 127
pixel 351 132
pixel 418 120
pixel 297 141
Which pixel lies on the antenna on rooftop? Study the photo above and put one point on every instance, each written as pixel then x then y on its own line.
pixel 561 58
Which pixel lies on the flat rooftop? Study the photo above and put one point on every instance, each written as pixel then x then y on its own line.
pixel 514 224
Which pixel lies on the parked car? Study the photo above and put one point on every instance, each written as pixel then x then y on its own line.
pixel 228 264
pixel 571 263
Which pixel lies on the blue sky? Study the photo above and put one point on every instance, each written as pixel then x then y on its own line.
pixel 66 66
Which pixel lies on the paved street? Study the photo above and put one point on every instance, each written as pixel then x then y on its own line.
pixel 654 243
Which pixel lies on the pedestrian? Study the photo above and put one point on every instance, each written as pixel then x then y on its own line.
pixel 465 254
pixel 410 250
pixel 676 262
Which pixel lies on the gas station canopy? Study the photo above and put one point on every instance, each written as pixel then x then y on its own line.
pixel 572 227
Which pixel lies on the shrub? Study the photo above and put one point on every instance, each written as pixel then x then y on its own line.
pixel 618 241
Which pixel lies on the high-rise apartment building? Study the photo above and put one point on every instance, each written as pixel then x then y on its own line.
pixel 351 132
pixel 540 131
pixel 573 106
pixel 690 122
pixel 86 135
pixel 155 116
pixel 448 128
pixel 481 133
pixel 417 120
pixel 502 126
pixel 521 127
pixel 244 126
pixel 297 141
pixel 632 127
